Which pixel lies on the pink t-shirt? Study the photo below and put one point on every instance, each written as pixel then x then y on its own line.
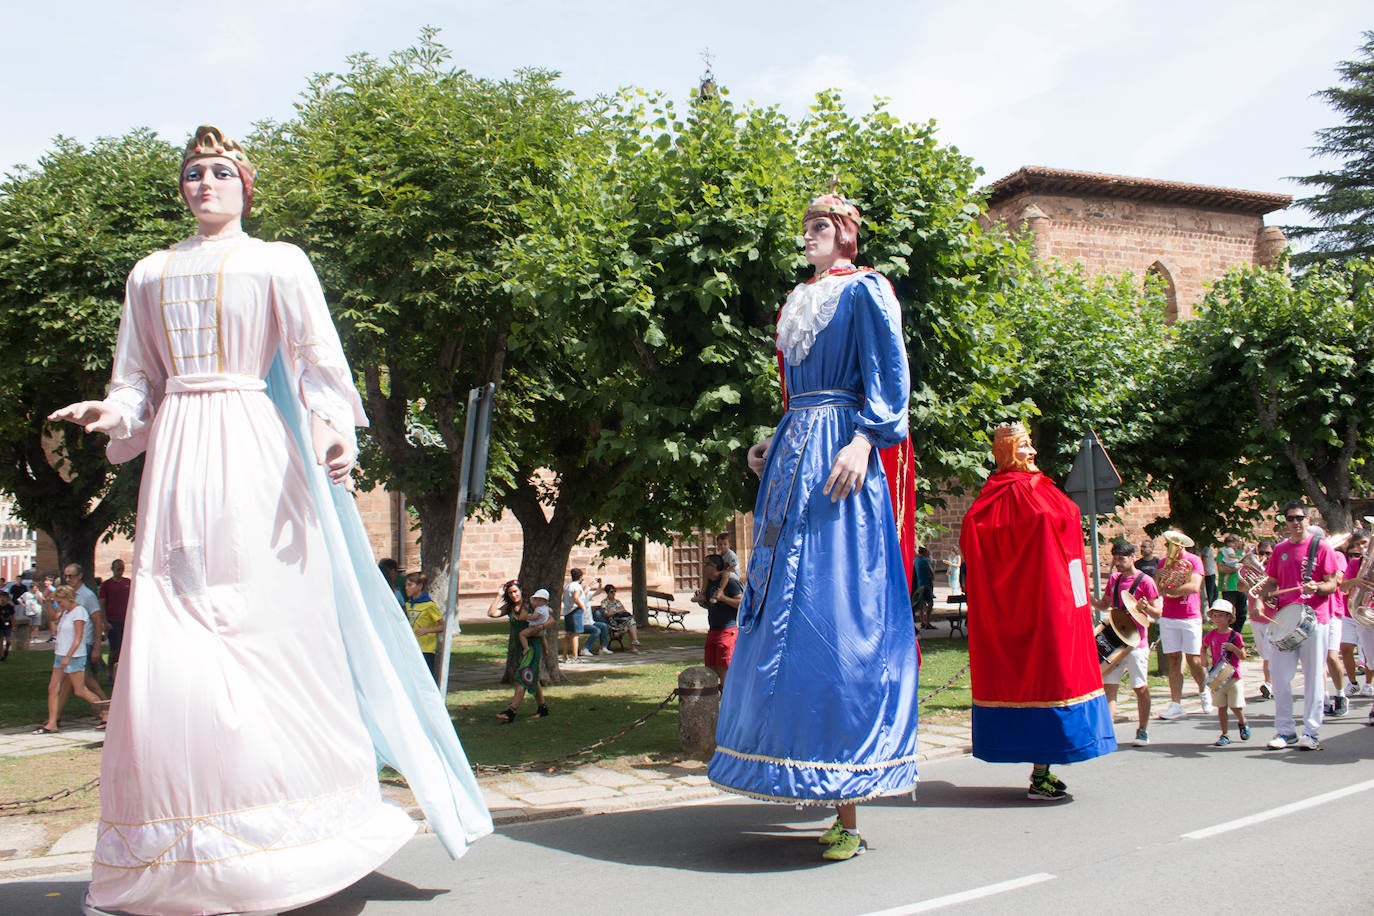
pixel 1189 607
pixel 1286 567
pixel 1340 603
pixel 1212 641
pixel 1145 591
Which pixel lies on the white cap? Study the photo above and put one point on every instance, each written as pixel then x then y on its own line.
pixel 542 593
pixel 1221 604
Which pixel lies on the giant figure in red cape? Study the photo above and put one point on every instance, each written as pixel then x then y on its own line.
pixel 1037 681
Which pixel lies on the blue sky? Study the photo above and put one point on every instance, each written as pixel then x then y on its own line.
pixel 1207 91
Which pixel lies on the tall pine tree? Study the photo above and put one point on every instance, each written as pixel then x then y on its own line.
pixel 1344 208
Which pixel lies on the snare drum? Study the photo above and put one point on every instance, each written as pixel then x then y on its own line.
pixel 1292 626
pixel 1219 674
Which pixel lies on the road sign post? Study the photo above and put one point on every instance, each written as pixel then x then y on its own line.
pixel 1092 484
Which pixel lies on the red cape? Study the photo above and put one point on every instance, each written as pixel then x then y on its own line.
pixel 1030 626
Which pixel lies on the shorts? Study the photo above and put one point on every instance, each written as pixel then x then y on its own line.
pixel 1333 633
pixel 75 666
pixel 1136 664
pixel 1349 635
pixel 720 647
pixel 572 622
pixel 1231 694
pixel 1180 635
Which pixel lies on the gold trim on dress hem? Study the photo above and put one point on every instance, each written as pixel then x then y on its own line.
pixel 1051 705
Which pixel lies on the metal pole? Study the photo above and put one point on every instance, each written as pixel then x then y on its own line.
pixel 1092 516
pixel 442 652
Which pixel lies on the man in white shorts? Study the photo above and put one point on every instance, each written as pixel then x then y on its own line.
pixel 1179 578
pixel 1125 578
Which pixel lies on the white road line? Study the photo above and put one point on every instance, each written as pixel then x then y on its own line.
pixel 977 893
pixel 1280 811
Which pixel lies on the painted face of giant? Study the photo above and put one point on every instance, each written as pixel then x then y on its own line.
pixel 819 242
pixel 213 188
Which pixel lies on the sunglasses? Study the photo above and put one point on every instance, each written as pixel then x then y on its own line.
pixel 1294 518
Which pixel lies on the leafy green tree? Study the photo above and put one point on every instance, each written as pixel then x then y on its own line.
pixel 70 230
pixel 1270 397
pixel 411 184
pixel 922 230
pixel 1344 207
pixel 675 258
pixel 1091 350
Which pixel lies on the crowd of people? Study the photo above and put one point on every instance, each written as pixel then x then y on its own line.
pixel 1306 600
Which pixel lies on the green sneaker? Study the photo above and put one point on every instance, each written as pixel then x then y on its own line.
pixel 1056 781
pixel 1043 789
pixel 833 835
pixel 847 846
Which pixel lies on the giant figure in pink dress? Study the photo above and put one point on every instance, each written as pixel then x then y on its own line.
pixel 267 669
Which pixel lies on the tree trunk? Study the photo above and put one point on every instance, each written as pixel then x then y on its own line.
pixel 639 581
pixel 543 560
pixel 76 540
pixel 438 511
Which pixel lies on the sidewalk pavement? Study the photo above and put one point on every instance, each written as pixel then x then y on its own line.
pixel 513 796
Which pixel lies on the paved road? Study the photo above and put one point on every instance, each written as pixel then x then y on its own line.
pixel 1177 824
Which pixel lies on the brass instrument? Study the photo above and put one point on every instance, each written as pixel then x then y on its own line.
pixel 1361 597
pixel 1174 572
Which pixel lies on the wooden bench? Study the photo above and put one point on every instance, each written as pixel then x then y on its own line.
pixel 661 604
pixel 958 618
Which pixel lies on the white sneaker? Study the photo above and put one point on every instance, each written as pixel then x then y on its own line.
pixel 1307 743
pixel 1173 711
pixel 1279 742
pixel 1352 690
pixel 1367 690
pixel 1208 707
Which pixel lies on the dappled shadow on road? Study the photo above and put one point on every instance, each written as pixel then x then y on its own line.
pixel 716 838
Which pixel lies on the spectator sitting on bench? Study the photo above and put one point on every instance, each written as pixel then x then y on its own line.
pixel 612 612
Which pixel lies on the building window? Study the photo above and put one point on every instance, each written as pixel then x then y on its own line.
pixel 1157 269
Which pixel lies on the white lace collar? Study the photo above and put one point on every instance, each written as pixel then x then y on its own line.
pixel 808 311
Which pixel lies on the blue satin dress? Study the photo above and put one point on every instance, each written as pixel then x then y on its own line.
pixel 819 705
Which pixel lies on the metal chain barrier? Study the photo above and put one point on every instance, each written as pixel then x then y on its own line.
pixel 948 685
pixel 29 802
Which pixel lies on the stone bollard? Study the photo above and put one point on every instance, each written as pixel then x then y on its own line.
pixel 698 698
pixel 23 632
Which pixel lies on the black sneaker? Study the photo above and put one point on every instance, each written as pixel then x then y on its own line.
pixel 542 711
pixel 1340 705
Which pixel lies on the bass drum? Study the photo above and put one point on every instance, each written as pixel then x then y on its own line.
pixel 1293 625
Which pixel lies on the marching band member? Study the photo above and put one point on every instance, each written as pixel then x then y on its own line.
pixel 1259 622
pixel 1125 578
pixel 1180 627
pixel 1306 564
pixel 1036 677
pixel 1342 638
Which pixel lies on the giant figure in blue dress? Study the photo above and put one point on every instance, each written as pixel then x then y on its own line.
pixel 820 705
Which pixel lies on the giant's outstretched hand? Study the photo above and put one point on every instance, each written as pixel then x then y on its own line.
pixel 92 416
pixel 333 451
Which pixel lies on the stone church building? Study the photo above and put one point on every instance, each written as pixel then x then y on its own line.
pixel 1186 234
